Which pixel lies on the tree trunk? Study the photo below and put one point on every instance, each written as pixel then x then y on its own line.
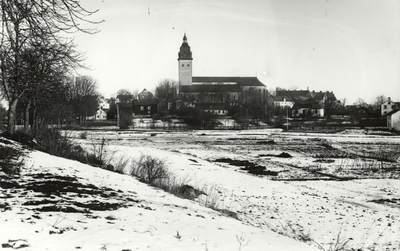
pixel 34 123
pixel 12 111
pixel 26 122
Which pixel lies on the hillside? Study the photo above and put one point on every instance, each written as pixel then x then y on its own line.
pixel 59 204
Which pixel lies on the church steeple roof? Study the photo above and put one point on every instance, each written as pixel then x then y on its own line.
pixel 184 52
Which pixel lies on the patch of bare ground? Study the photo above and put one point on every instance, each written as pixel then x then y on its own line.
pixel 54 193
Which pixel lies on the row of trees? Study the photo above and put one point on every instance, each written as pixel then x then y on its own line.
pixel 68 101
pixel 35 59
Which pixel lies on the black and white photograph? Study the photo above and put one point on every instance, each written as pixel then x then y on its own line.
pixel 195 125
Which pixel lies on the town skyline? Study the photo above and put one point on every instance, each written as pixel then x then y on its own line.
pixel 349 48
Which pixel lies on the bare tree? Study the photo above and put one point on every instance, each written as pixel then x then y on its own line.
pixel 165 92
pixel 83 96
pixel 379 100
pixel 361 103
pixel 46 71
pixel 124 92
pixel 24 23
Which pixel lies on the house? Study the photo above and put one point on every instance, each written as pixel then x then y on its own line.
pixel 307 108
pixel 215 91
pixel 283 101
pixel 388 106
pixel 393 119
pixel 220 109
pixel 314 104
pixel 100 115
pixel 294 95
pixel 145 105
pixel 323 97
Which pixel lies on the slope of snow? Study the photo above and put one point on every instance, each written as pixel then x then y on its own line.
pixel 146 218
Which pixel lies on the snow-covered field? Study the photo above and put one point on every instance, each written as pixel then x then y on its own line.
pixel 331 191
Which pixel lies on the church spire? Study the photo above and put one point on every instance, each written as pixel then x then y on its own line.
pixel 184 52
pixel 185 38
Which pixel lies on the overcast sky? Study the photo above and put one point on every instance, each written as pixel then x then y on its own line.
pixel 350 47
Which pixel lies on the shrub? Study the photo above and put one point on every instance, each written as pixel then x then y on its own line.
pixel 11 160
pixel 22 137
pixel 120 166
pixel 150 170
pixel 83 135
pixel 54 143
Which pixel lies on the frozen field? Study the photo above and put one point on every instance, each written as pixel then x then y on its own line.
pixel 323 191
pixel 333 188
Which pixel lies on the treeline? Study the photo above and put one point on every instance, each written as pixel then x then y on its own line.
pixel 36 61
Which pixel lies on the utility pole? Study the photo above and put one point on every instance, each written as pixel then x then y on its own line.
pixel 287 118
pixel 117 103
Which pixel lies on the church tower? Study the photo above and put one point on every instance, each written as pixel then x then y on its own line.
pixel 185 63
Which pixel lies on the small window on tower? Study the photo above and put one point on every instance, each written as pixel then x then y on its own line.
pixel 188 65
pixel 183 65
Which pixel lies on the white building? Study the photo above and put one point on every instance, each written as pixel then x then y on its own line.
pixel 393 119
pixel 100 115
pixel 281 101
pixel 388 106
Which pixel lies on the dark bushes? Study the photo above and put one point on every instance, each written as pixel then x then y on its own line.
pixel 11 160
pixel 53 142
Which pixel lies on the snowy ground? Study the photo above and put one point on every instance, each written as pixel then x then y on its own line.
pixel 333 191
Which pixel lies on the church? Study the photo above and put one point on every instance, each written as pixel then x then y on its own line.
pixel 215 94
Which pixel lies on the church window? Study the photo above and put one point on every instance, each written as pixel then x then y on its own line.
pixel 188 65
pixel 149 108
pixel 142 108
pixel 183 65
pixel 384 107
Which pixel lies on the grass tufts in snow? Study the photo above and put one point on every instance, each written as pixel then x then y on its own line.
pixel 340 243
pixel 154 172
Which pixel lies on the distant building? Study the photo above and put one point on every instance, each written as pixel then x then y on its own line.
pixel 221 92
pixel 393 119
pixel 306 103
pixel 388 106
pixel 145 105
pixel 294 95
pixel 307 109
pixel 100 115
pixel 214 108
pixel 282 101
